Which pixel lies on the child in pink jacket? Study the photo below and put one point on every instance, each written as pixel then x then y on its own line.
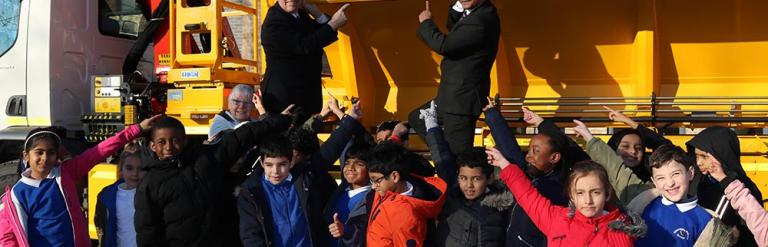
pixel 42 208
pixel 741 199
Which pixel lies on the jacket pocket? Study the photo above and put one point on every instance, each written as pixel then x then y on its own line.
pixel 556 241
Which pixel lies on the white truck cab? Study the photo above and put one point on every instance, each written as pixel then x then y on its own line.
pixel 48 52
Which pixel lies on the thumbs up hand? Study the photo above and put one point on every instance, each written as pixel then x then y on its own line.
pixel 336 228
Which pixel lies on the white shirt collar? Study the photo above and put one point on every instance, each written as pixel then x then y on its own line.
pixel 351 193
pixel 26 176
pixel 408 189
pixel 683 206
pixel 459 8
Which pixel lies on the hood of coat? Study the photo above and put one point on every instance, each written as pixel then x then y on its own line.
pixel 428 206
pixel 498 196
pixel 615 139
pixel 723 144
pixel 617 219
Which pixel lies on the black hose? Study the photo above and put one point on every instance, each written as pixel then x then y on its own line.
pixel 137 50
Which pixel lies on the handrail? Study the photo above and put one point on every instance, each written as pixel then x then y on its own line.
pixel 634 98
pixel 653 109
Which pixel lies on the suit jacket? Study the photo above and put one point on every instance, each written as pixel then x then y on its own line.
pixel 294 51
pixel 468 51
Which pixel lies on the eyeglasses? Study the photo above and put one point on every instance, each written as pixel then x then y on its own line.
pixel 243 103
pixel 378 180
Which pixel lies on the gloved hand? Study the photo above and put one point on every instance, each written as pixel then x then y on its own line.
pixel 429 116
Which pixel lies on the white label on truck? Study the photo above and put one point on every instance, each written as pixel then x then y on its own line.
pixel 190 74
pixel 175 95
pixel 111 81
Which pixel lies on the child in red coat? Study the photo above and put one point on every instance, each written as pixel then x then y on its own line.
pixel 588 221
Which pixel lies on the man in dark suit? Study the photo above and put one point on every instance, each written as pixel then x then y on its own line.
pixel 468 51
pixel 293 43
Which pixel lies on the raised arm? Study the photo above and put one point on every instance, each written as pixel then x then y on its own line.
pixel 742 200
pixel 235 144
pixel 504 138
pixel 650 138
pixel 445 160
pixel 749 209
pixel 625 183
pixel 459 39
pixel 81 164
pixel 536 206
pixel 332 148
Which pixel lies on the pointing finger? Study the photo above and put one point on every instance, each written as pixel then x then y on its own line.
pixel 344 7
pixel 579 123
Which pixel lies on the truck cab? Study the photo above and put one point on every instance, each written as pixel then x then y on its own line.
pixel 49 50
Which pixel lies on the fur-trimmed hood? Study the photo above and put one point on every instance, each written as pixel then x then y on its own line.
pixel 620 218
pixel 498 196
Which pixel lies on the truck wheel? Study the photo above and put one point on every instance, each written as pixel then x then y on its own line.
pixel 8 174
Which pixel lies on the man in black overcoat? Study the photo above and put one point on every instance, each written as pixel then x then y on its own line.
pixel 293 35
pixel 468 49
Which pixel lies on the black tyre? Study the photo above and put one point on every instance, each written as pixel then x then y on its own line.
pixel 8 174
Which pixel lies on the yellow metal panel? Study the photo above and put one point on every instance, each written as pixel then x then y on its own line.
pixel 16 121
pixel 100 176
pixel 195 128
pixel 107 105
pixel 188 101
pixel 208 17
pixel 196 107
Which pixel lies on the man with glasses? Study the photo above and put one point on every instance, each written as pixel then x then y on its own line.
pixel 239 109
